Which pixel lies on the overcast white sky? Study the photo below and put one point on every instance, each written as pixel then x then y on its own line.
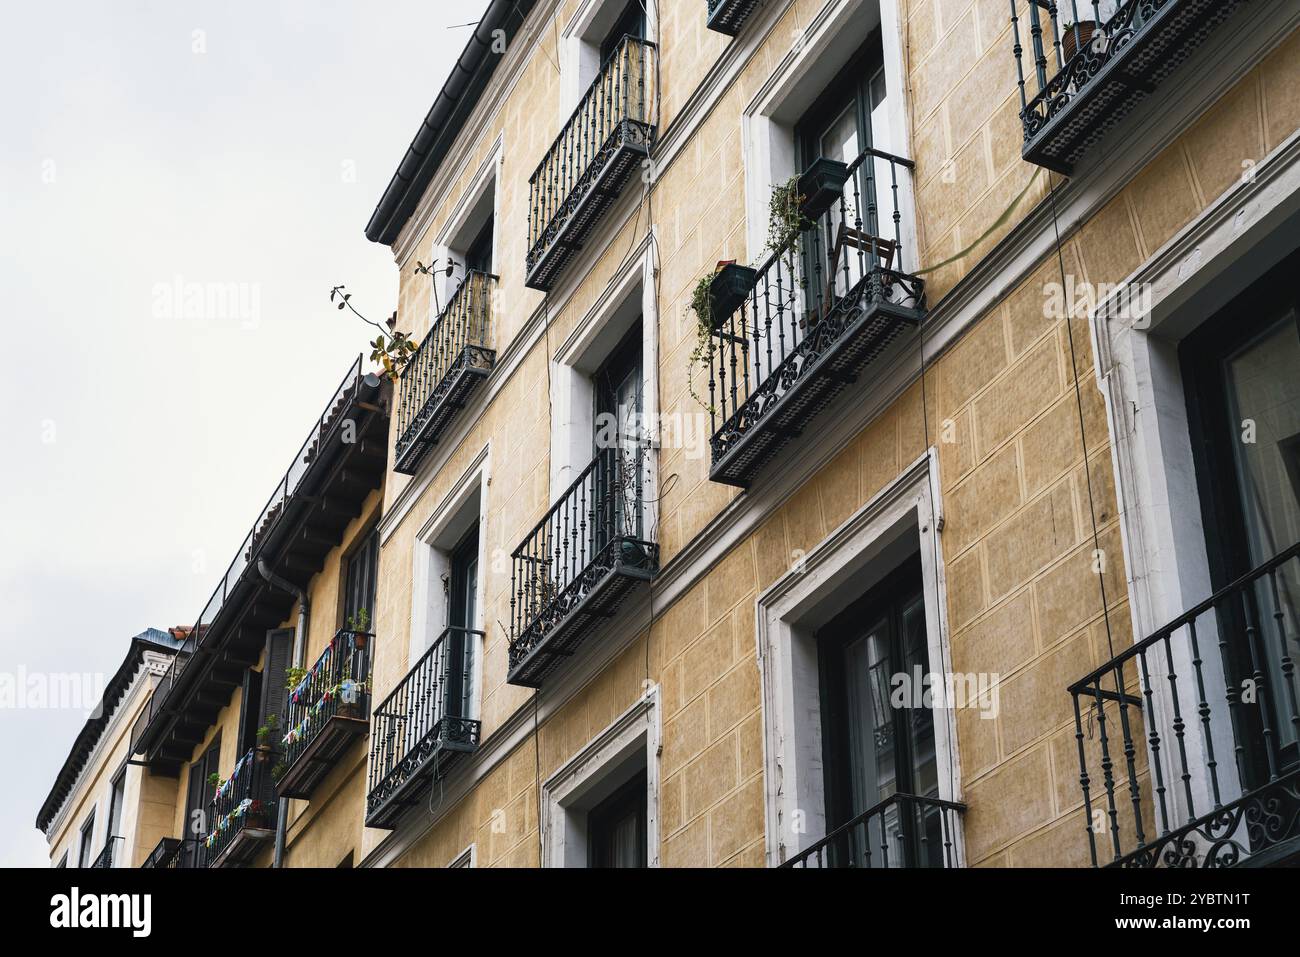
pixel 141 443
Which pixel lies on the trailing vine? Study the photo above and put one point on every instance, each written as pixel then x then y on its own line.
pixel 702 354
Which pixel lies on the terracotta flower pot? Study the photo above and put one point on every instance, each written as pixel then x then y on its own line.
pixel 1068 46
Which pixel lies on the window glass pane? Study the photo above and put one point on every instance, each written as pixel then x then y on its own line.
pixel 1264 402
pixel 870 727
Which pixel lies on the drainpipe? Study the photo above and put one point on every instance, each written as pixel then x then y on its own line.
pixel 299 645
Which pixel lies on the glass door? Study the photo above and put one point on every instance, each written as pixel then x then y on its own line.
pixel 462 613
pixel 1242 373
pixel 849 117
pixel 618 446
pixel 873 748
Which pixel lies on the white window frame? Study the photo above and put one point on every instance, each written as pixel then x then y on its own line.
pixel 455 235
pixel 1203 267
pixel 861 550
pixel 432 560
pixel 579 46
pixel 563 832
pixel 817 55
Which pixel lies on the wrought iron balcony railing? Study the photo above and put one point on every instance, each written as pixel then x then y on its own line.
pixel 173 853
pixel 1092 61
pixel 330 420
pixel 729 16
pixel 326 712
pixel 452 360
pixel 903 830
pixel 1194 731
pixel 822 307
pixel 580 562
pixel 422 726
pixel 604 141
pixel 242 813
pixel 105 858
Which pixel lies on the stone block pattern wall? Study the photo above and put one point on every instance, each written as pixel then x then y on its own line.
pixel 1023 599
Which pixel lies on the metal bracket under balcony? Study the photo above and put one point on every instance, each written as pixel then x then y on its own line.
pixel 579 564
pixel 1093 62
pixel 421 729
pixel 603 143
pixel 729 16
pixel 444 372
pixel 809 320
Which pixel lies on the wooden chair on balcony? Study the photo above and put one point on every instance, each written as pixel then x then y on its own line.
pixel 846 238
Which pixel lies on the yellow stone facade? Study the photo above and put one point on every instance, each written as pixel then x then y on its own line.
pixel 999 404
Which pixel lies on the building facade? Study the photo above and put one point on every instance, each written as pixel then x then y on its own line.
pixel 843 432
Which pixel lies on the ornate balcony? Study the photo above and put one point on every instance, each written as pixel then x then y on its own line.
pixel 242 813
pixel 422 727
pixel 1193 732
pixel 579 563
pixel 585 170
pixel 1090 63
pixel 327 711
pixel 729 16
pixel 452 360
pixel 903 830
pixel 817 313
pixel 173 853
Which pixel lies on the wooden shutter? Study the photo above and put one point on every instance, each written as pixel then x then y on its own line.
pixel 279 650
pixel 250 710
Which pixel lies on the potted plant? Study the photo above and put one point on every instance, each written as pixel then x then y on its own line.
pixel 214 779
pixel 1072 44
pixel 359 626
pixel 255 816
pixel 820 186
pixel 264 733
pixel 728 289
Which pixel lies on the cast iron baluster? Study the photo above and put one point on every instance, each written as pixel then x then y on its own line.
pixel 1204 710
pixel 1036 41
pixel 1261 679
pixel 1017 50
pixel 1288 665
pixel 1108 778
pixel 1084 780
pixel 1231 694
pixel 1153 737
pixel 1179 732
pixel 898 219
pixel 1130 752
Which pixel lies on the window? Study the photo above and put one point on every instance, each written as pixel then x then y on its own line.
pixel 87 834
pixel 630 23
pixel 874 749
pixel 618 440
pixel 359 589
pixel 200 792
pixel 1243 400
pixel 601 808
pixel 863 607
pixel 116 797
pixel 462 614
pixel 479 254
pixel 63 861
pixel 616 827
pixel 849 117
